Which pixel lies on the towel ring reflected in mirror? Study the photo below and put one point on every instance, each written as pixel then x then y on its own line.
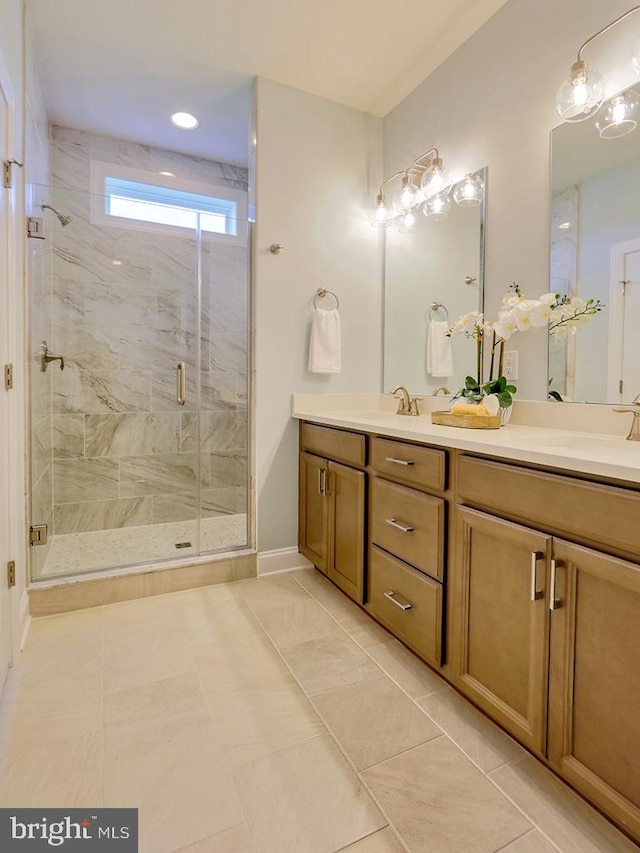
pixel 438 306
pixel 322 292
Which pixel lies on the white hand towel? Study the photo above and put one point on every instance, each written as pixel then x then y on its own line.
pixel 325 344
pixel 439 355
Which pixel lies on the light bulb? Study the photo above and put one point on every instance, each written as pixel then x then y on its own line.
pixel 620 115
pixel 185 121
pixel 409 196
pixel 381 214
pixel 581 94
pixel 635 56
pixel 437 207
pixel 407 223
pixel 468 193
pixel 437 179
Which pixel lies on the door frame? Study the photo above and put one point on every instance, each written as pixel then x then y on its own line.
pixel 619 251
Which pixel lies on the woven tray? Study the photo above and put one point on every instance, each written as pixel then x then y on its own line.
pixel 466 421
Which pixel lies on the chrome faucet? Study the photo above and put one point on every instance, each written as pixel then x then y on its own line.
pixel 407 405
pixel 634 408
pixel 443 389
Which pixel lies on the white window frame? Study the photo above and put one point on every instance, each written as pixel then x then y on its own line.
pixel 101 171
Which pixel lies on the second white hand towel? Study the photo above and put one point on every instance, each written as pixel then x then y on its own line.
pixel 325 345
pixel 439 354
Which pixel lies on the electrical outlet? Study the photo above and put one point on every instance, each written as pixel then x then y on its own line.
pixel 510 365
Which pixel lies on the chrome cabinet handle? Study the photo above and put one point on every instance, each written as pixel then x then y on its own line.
pixel 399 525
pixel 181 383
pixel 536 594
pixel 400 461
pixel 392 596
pixel 554 603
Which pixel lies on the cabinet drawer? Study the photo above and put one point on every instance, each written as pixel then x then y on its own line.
pixel 409 524
pixel 590 512
pixel 394 586
pixel 336 444
pixel 409 463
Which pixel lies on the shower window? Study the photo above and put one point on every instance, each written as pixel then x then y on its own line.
pixel 152 204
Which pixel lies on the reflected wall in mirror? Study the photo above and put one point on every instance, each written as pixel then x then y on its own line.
pixel 595 253
pixel 441 262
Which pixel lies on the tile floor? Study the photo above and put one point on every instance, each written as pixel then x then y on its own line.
pixel 271 716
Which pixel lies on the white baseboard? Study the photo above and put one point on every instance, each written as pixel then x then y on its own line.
pixel 24 620
pixel 281 560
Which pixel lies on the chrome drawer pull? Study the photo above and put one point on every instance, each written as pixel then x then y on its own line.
pixel 400 461
pixel 391 595
pixel 399 525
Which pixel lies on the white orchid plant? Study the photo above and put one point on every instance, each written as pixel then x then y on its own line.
pixel 563 315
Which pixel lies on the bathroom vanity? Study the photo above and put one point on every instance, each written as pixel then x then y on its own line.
pixel 508 561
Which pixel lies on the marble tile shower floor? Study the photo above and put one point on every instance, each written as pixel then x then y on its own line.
pixel 80 552
pixel 271 716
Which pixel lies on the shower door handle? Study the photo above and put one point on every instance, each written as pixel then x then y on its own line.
pixel 181 383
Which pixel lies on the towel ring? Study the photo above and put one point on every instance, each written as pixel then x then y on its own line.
pixel 322 292
pixel 438 306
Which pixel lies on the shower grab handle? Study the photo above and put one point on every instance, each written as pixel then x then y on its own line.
pixel 45 357
pixel 181 383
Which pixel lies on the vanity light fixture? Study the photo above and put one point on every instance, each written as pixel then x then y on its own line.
pixel 468 193
pixel 620 115
pixel 383 215
pixel 185 121
pixel 437 179
pixel 407 222
pixel 409 196
pixel 581 95
pixel 437 207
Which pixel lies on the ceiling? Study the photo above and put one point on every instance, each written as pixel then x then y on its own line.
pixel 121 67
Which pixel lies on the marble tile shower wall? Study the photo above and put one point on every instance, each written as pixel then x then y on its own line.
pixel 123 314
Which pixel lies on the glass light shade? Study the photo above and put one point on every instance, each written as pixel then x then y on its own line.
pixel 468 193
pixel 437 179
pixel 619 116
pixel 635 56
pixel 437 207
pixel 582 93
pixel 407 223
pixel 381 215
pixel 408 197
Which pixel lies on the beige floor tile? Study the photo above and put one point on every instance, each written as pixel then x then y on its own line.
pixel 183 791
pixel 70 642
pixel 406 669
pixel 215 615
pixel 439 802
pixel 234 840
pixel 296 622
pixel 370 635
pixel 305 798
pixel 329 663
pixel 532 842
pixel 254 724
pixel 485 744
pixel 134 663
pixel 272 591
pixel 67 774
pixel 383 841
pixel 243 665
pixel 329 596
pixel 566 819
pixel 151 715
pixel 374 720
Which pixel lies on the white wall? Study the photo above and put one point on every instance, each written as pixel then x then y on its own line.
pixel 318 164
pixel 11 50
pixel 492 104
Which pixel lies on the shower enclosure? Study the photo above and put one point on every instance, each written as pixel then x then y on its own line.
pixel 139 338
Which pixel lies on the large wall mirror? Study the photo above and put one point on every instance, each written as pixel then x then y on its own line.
pixel 432 276
pixel 595 253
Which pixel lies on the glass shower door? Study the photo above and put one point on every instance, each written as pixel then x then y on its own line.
pixel 115 463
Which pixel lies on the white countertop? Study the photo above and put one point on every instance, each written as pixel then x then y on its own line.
pixel 600 454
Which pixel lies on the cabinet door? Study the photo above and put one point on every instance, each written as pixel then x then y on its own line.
pixel 594 698
pixel 500 647
pixel 313 510
pixel 347 495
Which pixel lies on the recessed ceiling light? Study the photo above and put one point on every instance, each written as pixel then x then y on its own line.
pixel 168 174
pixel 185 121
pixel 564 226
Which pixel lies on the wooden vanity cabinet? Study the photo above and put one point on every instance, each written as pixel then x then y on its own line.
pixel 546 632
pixel 332 505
